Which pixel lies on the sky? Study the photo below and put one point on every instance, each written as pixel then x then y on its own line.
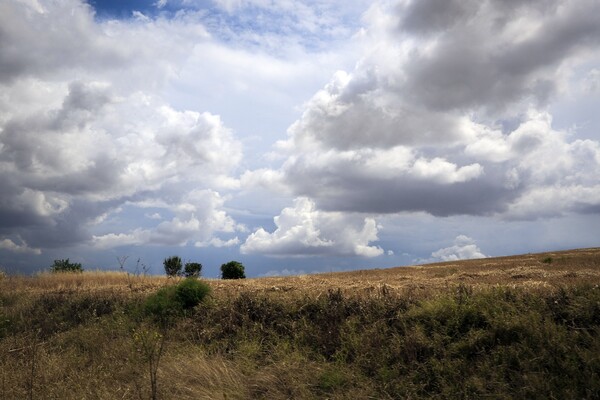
pixel 296 136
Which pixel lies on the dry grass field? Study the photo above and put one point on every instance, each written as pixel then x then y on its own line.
pixel 511 327
pixel 529 270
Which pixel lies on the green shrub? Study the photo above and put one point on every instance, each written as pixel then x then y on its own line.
pixel 547 260
pixel 162 304
pixel 232 270
pixel 172 301
pixel 172 265
pixel 65 266
pixel 192 270
pixel 190 292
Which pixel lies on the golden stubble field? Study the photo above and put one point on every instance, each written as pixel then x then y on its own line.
pixel 528 270
pixel 540 270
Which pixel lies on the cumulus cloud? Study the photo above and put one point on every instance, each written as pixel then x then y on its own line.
pixel 217 242
pixel 74 163
pixel 83 131
pixel 56 41
pixel 464 248
pixel 39 39
pixel 302 230
pixel 198 216
pixel 490 55
pixel 447 113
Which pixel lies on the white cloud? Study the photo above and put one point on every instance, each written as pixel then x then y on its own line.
pixel 464 248
pixel 440 170
pixel 8 244
pixel 302 230
pixel 160 3
pixel 264 178
pixel 198 216
pixel 111 240
pixel 217 242
pixel 285 272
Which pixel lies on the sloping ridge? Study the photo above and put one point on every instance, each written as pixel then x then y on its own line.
pixel 531 270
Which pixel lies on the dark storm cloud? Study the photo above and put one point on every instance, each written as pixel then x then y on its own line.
pixel 480 63
pixel 14 212
pixel 69 227
pixel 35 145
pixel 345 190
pixel 37 199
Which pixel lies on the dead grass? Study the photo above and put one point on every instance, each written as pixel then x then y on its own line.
pixel 86 281
pixel 568 267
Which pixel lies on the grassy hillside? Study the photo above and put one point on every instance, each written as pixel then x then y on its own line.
pixel 512 327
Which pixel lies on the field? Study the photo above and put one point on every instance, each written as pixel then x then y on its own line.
pixel 512 327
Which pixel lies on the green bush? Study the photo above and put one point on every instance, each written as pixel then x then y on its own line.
pixel 190 292
pixel 232 270
pixel 192 270
pixel 161 304
pixel 172 265
pixel 172 301
pixel 65 266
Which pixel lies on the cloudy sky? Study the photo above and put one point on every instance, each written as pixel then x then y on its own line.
pixel 296 136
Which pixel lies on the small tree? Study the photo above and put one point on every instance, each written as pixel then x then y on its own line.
pixel 65 266
pixel 173 265
pixel 192 269
pixel 232 270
